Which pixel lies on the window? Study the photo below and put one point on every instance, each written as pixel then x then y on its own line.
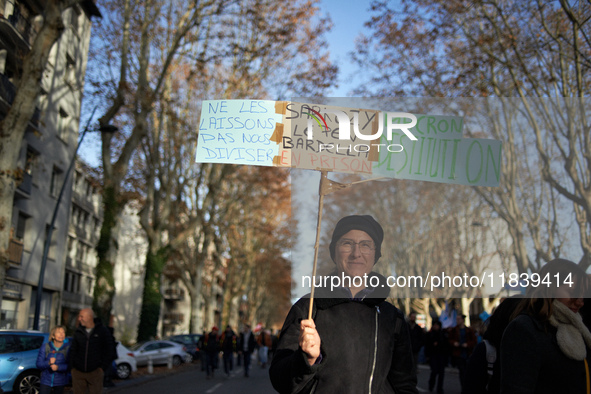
pixel 42 100
pixel 80 251
pixel 7 321
pixel 51 253
pixel 89 283
pixel 54 187
pixel 62 125
pixel 71 243
pixel 30 342
pixel 8 343
pixel 70 71
pixel 73 215
pixel 44 310
pixel 88 188
pixel 31 162
pixel 74 18
pixel 77 176
pixel 72 282
pixel 21 225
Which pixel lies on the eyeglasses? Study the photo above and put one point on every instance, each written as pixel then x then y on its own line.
pixel 347 245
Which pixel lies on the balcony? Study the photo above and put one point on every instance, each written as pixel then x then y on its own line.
pixel 174 294
pixel 8 93
pixel 7 89
pixel 173 318
pixel 15 251
pixel 70 298
pixel 16 27
pixel 23 189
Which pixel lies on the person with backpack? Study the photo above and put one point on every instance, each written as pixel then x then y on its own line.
pixel 53 360
pixel 356 341
pixel 483 368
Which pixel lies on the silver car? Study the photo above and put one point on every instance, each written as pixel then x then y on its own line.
pixel 160 352
pixel 125 363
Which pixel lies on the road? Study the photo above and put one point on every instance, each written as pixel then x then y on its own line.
pixel 192 380
pixel 451 383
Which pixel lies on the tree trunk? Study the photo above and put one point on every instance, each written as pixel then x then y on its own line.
pixel 151 297
pixel 104 288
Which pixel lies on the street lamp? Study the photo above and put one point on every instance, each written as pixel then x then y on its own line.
pixel 102 129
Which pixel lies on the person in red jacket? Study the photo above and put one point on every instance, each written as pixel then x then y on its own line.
pixel 462 340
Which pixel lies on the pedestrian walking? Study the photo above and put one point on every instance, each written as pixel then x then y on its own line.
pixel 53 361
pixel 247 346
pixel 546 347
pixel 201 346
pixel 264 342
pixel 416 338
pixel 91 354
pixel 462 340
pixel 212 350
pixel 437 351
pixel 356 341
pixel 483 374
pixel 228 341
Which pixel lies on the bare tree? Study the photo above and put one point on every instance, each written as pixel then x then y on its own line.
pixel 497 48
pixel 141 30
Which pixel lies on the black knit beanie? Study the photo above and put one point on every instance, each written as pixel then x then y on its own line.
pixel 358 222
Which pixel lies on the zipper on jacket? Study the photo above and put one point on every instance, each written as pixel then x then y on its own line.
pixel 86 352
pixel 375 349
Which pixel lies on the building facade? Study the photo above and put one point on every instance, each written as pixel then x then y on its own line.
pixel 46 153
pixel 85 221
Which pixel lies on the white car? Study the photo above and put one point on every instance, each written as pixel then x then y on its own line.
pixel 125 363
pixel 160 352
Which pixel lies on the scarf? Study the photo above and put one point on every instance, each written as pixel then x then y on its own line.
pixel 572 334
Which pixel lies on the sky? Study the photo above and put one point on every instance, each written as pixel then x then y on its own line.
pixel 348 17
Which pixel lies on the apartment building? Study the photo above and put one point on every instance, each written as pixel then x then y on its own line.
pixel 46 153
pixel 85 221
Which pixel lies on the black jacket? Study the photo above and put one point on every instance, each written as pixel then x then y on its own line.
pixel 252 343
pixel 532 362
pixel 93 350
pixel 437 343
pixel 365 347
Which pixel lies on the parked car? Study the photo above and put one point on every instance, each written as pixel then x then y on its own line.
pixel 190 341
pixel 18 357
pixel 160 351
pixel 125 363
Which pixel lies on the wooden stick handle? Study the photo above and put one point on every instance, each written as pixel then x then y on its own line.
pixel 321 192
